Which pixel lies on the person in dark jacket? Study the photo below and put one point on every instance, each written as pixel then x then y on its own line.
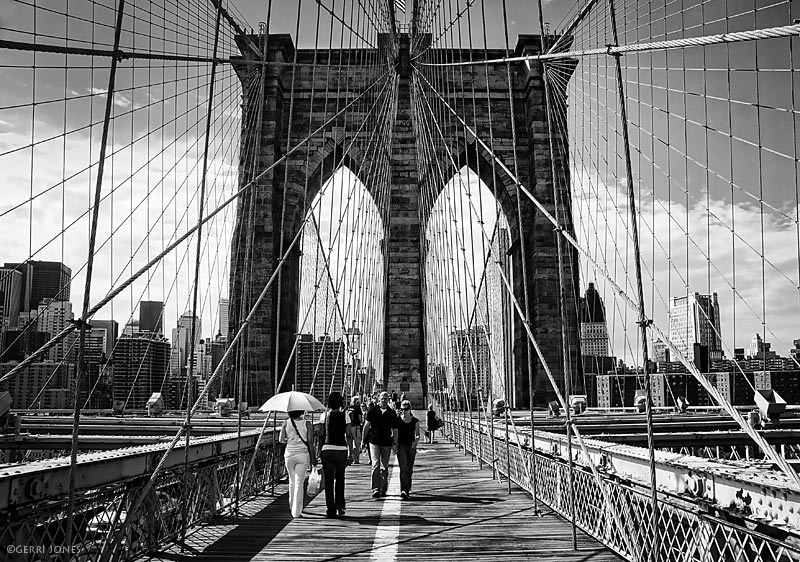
pixel 380 435
pixel 334 425
pixel 354 435
pixel 432 422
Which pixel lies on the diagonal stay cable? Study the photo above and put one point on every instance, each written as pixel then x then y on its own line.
pixel 735 37
pixel 737 417
pixel 112 294
pixel 242 329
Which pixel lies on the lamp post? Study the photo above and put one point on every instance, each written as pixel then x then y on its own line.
pixel 353 335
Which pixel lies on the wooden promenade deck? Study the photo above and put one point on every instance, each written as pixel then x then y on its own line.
pixel 456 512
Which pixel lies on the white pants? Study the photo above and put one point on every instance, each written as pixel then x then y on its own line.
pixel 296 466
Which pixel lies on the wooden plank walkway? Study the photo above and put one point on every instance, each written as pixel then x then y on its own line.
pixel 456 512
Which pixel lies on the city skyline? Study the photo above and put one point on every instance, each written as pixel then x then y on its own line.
pixel 698 202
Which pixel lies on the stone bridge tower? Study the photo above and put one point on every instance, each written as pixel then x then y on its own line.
pixel 270 205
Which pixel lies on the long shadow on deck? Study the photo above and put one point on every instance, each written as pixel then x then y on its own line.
pixel 421 496
pixel 251 533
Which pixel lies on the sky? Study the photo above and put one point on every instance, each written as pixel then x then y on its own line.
pixel 714 154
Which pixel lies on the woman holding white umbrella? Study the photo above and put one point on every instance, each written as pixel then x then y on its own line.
pixel 297 433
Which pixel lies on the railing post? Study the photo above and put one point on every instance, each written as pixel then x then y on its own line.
pixel 508 451
pixel 480 431
pixel 491 440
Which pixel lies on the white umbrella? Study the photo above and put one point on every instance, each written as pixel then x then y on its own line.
pixel 290 401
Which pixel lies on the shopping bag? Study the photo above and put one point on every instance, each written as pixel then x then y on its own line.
pixel 314 481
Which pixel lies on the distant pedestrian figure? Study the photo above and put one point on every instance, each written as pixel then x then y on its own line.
pixel 354 434
pixel 408 435
pixel 432 422
pixel 365 407
pixel 296 432
pixel 380 435
pixel 335 425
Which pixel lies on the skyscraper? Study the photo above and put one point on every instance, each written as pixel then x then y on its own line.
pixel 141 364
pixel 151 317
pixel 111 329
pixel 319 363
pixel 594 332
pixel 40 385
pixel 470 360
pixel 694 328
pixel 100 342
pixel 11 287
pixel 224 307
pixel 181 340
pixel 52 318
pixel 759 349
pixel 494 309
pixel 42 280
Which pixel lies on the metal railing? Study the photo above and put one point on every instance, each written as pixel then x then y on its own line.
pixel 36 530
pixel 689 532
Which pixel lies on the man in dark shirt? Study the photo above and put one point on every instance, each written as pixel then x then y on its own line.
pixel 380 434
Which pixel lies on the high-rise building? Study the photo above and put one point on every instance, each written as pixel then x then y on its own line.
pixel 151 317
pixel 794 354
pixel 42 280
pixel 99 369
pixel 110 332
pixel 20 343
pixel 141 366
pixel 594 332
pixel 317 293
pixel 661 352
pixel 181 340
pixel 493 305
pixel 759 349
pixel 320 365
pixel 52 317
pixel 11 287
pixel 40 385
pixel 694 328
pixel 470 361
pixel 131 327
pixel 203 360
pixel 224 317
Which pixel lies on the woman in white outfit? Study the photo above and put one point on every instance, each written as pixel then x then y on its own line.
pixel 296 433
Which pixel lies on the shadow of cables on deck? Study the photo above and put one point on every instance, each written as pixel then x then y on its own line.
pixel 249 533
pixel 420 497
pixel 400 520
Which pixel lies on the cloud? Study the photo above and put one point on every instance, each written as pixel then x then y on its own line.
pixel 710 246
pixel 149 199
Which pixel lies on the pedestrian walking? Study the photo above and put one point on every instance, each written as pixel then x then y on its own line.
pixel 334 426
pixel 408 435
pixel 296 432
pixel 354 434
pixel 380 435
pixel 432 422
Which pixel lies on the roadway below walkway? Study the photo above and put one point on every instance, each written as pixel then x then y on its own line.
pixel 456 512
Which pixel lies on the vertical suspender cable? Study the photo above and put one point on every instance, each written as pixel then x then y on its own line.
pixel 249 243
pixel 281 236
pixel 549 114
pixel 196 284
pixel 89 265
pixel 643 321
pixel 522 244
